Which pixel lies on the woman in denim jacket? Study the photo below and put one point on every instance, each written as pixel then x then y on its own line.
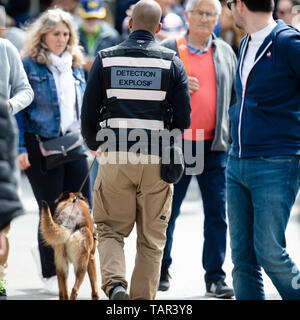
pixel 52 61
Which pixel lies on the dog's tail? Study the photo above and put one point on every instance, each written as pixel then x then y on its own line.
pixel 53 233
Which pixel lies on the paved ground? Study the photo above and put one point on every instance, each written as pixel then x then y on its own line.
pixel 23 282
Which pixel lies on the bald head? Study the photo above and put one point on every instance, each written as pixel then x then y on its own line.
pixel 146 16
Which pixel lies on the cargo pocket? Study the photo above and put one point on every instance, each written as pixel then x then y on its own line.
pixel 97 182
pixel 99 211
pixel 165 212
pixel 160 224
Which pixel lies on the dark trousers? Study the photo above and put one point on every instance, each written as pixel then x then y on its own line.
pixel 212 186
pixel 48 186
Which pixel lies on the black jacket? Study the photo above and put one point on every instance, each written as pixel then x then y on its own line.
pixel 10 204
pixel 177 95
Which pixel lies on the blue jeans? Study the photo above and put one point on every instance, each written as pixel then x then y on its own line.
pixel 212 186
pixel 260 194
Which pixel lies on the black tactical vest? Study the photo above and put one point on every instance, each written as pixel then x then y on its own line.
pixel 136 81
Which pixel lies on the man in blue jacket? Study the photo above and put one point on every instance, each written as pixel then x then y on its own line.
pixel 263 173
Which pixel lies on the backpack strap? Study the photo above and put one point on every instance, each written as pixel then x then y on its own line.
pixel 183 53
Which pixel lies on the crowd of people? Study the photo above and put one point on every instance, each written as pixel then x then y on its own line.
pixel 229 68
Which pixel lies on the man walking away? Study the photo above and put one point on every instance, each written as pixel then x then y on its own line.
pixel 127 89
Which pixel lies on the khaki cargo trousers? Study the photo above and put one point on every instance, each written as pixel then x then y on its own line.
pixel 126 194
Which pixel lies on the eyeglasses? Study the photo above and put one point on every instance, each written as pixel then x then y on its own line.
pixel 229 3
pixel 201 14
pixel 283 13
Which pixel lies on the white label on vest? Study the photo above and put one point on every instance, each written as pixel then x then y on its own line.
pixel 137 62
pixel 136 94
pixel 135 78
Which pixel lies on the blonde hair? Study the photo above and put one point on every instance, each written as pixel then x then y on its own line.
pixel 35 46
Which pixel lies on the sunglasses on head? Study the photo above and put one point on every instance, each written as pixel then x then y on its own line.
pixel 229 3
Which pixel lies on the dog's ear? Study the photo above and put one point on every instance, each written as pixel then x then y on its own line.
pixel 81 197
pixel 65 195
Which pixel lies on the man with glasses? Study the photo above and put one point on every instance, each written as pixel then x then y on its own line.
pixel 210 64
pixel 263 170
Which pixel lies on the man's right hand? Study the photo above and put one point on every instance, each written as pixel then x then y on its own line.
pixel 193 84
pixel 23 161
pixel 93 152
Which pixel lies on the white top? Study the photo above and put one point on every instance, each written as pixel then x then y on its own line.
pixel 256 40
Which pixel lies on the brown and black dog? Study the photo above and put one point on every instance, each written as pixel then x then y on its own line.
pixel 70 233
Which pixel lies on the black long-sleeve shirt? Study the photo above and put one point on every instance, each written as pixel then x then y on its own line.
pixel 177 96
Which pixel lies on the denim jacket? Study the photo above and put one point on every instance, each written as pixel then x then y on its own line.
pixel 42 116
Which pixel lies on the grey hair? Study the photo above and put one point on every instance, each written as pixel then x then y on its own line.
pixel 191 3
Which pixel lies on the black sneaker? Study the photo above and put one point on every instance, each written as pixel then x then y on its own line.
pixel 118 292
pixel 219 289
pixel 3 295
pixel 164 282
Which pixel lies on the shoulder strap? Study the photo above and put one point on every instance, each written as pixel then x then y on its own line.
pixel 153 52
pixel 183 53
